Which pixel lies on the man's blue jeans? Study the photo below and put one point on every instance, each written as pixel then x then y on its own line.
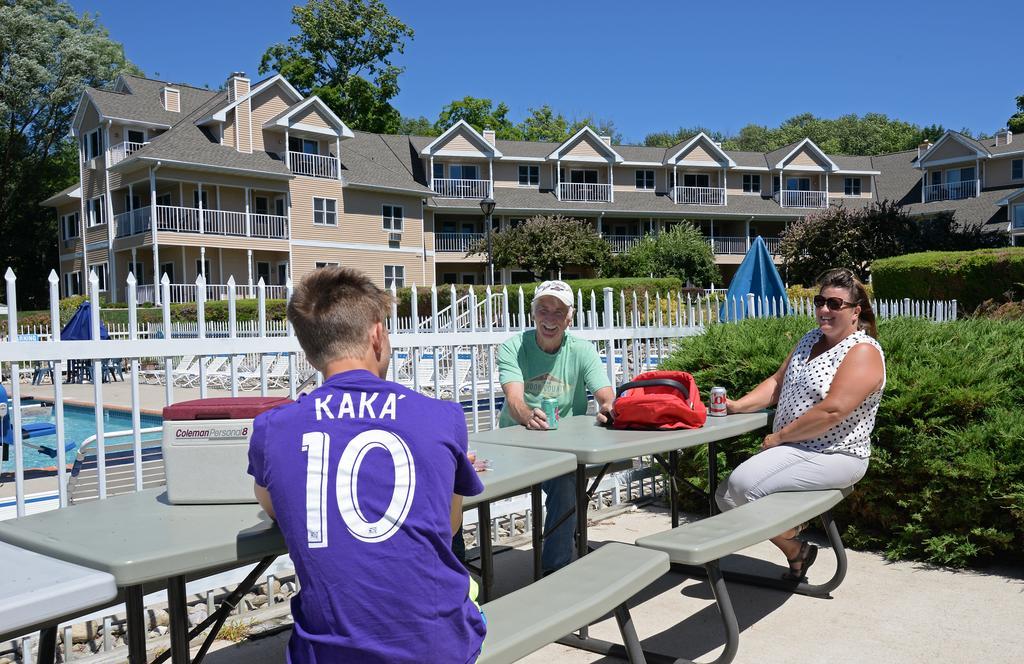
pixel 559 498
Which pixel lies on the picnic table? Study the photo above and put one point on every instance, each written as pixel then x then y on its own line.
pixel 145 543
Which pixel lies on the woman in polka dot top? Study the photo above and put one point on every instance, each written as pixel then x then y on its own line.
pixel 827 392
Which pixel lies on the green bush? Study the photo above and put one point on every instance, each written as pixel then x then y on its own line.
pixel 946 481
pixel 970 277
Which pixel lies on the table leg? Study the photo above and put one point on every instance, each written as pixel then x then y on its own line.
pixel 486 553
pixel 48 646
pixel 537 517
pixel 673 491
pixel 177 610
pixel 712 477
pixel 135 610
pixel 582 504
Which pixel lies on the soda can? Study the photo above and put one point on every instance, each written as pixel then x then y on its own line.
pixel 550 407
pixel 718 408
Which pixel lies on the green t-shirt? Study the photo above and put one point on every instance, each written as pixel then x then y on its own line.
pixel 565 375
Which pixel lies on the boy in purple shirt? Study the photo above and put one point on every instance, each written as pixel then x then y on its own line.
pixel 365 479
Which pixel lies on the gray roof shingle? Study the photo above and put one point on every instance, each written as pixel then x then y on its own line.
pixel 143 102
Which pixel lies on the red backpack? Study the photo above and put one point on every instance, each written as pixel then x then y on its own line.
pixel 659 400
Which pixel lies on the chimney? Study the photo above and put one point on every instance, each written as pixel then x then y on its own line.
pixel 923 147
pixel 171 99
pixel 238 85
pixel 607 140
pixel 489 136
pixel 1004 137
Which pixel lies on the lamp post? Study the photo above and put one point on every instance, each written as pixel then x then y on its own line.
pixel 487 207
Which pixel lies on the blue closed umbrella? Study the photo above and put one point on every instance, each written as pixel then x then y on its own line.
pixel 79 328
pixel 757 274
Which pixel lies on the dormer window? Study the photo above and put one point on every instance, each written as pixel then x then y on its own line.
pixel 303 145
pixel 93 143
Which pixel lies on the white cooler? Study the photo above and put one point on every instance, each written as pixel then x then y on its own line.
pixel 206 448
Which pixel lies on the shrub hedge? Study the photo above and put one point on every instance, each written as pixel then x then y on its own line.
pixel 946 481
pixel 970 277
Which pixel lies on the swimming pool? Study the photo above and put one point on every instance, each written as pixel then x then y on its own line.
pixel 79 424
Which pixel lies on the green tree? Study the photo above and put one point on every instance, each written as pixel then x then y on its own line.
pixel 601 126
pixel 547 244
pixel 680 252
pixel 544 124
pixel 666 139
pixel 48 55
pixel 480 114
pixel 416 126
pixel 1015 122
pixel 342 54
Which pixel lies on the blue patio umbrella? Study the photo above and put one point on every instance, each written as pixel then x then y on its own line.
pixel 757 275
pixel 79 328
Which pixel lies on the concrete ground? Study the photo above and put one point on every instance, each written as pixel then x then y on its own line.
pixel 903 613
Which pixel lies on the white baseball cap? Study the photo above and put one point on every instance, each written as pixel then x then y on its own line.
pixel 556 289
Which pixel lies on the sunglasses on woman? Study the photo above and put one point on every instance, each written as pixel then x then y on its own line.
pixel 833 303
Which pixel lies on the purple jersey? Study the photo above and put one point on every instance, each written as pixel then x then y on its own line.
pixel 361 473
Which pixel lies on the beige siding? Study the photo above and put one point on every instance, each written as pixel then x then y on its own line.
pixel 735 182
pixel 90 119
pixel 169 176
pixel 372 263
pixel 363 221
pixel 171 100
pixel 837 185
pixel 998 171
pixel 586 146
pixel 229 130
pixel 506 174
pixel 224 241
pixel 243 116
pixel 805 157
pixel 96 234
pixel 267 105
pixel 950 149
pixel 461 142
pixel 625 178
pixel 699 152
pixel 303 190
pixel 231 198
pixel 312 116
pixel 92 182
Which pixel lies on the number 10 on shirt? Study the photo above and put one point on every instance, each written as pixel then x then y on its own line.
pixel 317 446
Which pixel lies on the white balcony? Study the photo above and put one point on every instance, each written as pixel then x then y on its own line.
pixel 122 151
pixel 456 242
pixel 739 245
pixel 132 222
pixel 220 222
pixel 951 191
pixel 461 188
pixel 699 195
pixel 584 192
pixel 313 165
pixel 803 199
pixel 187 292
pixel 622 243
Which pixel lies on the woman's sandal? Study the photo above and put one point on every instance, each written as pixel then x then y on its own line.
pixel 808 554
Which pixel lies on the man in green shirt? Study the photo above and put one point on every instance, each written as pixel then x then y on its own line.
pixel 549 362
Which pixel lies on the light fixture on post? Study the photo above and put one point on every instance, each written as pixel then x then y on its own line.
pixel 487 207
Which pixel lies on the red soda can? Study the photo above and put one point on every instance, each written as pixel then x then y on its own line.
pixel 717 408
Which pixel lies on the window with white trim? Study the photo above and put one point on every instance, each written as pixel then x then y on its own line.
pixel 851 186
pixel 463 172
pixel 645 178
pixel 320 264
pixel 303 145
pixel 94 211
pixel 393 217
pixel 72 283
pixel 325 211
pixel 751 183
pixel 1017 169
pixel 394 275
pixel 93 144
pixel 439 171
pixel 529 176
pixel 696 180
pixel 69 225
pixel 101 273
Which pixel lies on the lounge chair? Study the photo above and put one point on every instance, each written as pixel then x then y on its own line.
pixel 156 376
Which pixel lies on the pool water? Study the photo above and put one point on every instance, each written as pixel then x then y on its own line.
pixel 79 424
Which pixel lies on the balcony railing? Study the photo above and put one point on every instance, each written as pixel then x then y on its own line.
pixel 699 195
pixel 313 165
pixel 951 191
pixel 738 245
pixel 585 193
pixel 460 188
pixel 124 150
pixel 220 222
pixel 803 199
pixel 622 243
pixel 187 292
pixel 456 242
pixel 132 222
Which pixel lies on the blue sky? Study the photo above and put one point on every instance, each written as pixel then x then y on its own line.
pixel 648 66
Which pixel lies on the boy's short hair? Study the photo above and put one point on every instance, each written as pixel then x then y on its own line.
pixel 331 310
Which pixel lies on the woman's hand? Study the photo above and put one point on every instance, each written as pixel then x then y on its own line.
pixel 771 440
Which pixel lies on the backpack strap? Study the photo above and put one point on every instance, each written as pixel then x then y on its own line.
pixel 656 382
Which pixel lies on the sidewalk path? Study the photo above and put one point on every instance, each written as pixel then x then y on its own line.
pixel 903 613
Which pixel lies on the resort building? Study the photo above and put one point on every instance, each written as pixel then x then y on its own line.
pixel 257 181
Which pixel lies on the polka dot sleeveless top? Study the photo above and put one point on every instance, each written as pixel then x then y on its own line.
pixel 806 384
